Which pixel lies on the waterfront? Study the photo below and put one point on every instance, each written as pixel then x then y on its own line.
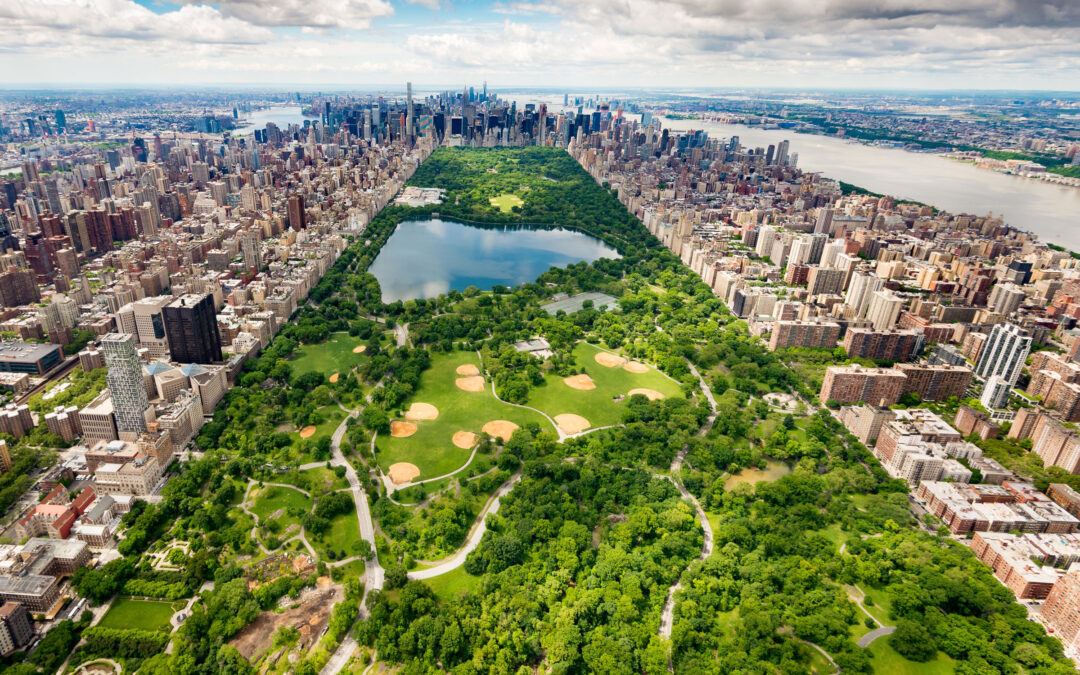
pixel 282 116
pixel 424 258
pixel 1050 211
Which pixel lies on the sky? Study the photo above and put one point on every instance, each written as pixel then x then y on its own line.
pixel 884 44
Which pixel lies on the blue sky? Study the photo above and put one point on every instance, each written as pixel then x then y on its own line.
pixel 1022 44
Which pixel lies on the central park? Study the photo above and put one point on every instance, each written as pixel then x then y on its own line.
pixel 513 477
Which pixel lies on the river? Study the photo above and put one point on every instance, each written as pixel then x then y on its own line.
pixel 1050 211
pixel 282 116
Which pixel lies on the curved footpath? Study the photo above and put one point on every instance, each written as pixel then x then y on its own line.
pixel 458 559
pixel 667 615
pixel 373 571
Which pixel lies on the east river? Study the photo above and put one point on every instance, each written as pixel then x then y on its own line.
pixel 1050 211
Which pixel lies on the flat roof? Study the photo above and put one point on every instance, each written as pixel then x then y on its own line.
pixel 25 352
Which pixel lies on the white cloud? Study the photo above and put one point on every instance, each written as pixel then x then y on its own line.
pixel 65 21
pixel 348 14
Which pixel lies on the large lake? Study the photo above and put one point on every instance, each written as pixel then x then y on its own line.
pixel 1050 211
pixel 425 258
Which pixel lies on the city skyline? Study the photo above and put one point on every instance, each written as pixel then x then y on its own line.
pixel 975 44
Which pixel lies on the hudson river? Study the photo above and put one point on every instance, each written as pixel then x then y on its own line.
pixel 1050 211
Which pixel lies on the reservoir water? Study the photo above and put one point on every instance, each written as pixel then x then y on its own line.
pixel 425 258
pixel 1050 211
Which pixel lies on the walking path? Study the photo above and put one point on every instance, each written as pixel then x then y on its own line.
pixel 865 640
pixel 374 574
pixel 479 527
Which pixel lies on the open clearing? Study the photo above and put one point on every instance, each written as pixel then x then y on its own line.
pixel 432 448
pixel 309 619
pixel 337 355
pixel 506 202
pixel 602 405
pixel 141 614
pixel 284 505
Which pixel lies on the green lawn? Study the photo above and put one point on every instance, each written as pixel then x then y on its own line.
pixel 281 504
pixel 449 587
pixel 506 202
pixel 597 405
pixel 141 614
pixel 819 665
pixel 343 535
pixel 882 604
pixel 333 356
pixel 431 448
pixel 885 660
pixel 331 415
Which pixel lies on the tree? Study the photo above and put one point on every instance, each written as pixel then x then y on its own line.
pixel 912 641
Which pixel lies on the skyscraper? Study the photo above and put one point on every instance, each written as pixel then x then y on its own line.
pixel 125 381
pixel 1004 353
pixel 191 324
pixel 296 212
pixel 409 112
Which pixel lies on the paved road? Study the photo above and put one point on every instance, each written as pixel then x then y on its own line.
pixel 374 574
pixel 865 640
pixel 458 559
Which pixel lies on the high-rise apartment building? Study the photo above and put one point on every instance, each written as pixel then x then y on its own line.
pixel 1004 353
pixel 191 326
pixel 1061 610
pixel 853 384
pixel 125 381
pixel 884 309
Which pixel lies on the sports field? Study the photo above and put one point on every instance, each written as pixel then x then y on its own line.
pixel 601 405
pixel 506 202
pixel 126 613
pixel 431 447
pixel 336 355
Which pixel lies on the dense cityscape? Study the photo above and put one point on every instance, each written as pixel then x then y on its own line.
pixel 522 378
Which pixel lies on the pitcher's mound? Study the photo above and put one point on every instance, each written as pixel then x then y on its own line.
pixel 402 429
pixel 500 429
pixel 464 439
pixel 468 369
pixel 609 360
pixel 403 472
pixel 421 411
pixel 474 383
pixel 359 349
pixel 636 367
pixel 651 393
pixel 307 432
pixel 580 382
pixel 334 378
pixel 571 424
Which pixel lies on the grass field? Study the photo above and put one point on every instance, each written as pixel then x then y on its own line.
pixel 431 448
pixel 449 587
pixel 597 405
pixel 141 614
pixel 331 417
pixel 275 503
pixel 885 660
pixel 343 535
pixel 506 202
pixel 333 356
